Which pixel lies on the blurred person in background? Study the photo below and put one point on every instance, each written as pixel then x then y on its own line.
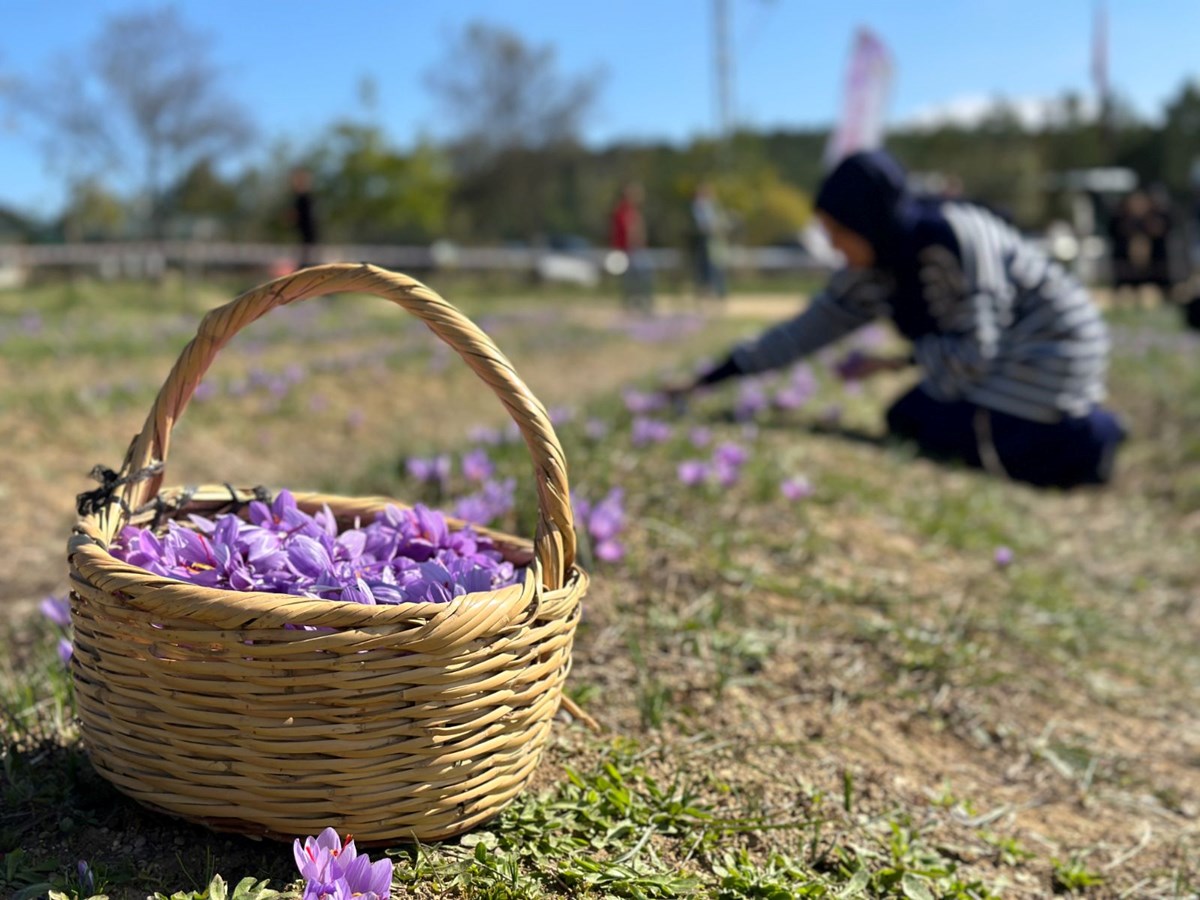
pixel 627 236
pixel 1139 234
pixel 303 215
pixel 710 227
pixel 1011 351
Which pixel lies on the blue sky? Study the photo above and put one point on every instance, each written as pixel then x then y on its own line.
pixel 296 64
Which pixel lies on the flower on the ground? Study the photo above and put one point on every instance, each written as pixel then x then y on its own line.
pixel 650 431
pixel 640 402
pixel 730 454
pixel 58 612
pixel 798 390
pixel 700 436
pixel 797 488
pixel 491 502
pixel 1003 556
pixel 434 469
pixel 751 400
pixel 333 869
pixel 477 465
pixel 693 471
pixel 405 555
pixel 602 522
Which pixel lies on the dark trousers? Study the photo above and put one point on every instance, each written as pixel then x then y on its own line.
pixel 1066 453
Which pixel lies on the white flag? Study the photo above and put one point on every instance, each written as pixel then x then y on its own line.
pixel 864 99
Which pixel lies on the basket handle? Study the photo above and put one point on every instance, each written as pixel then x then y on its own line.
pixel 554 540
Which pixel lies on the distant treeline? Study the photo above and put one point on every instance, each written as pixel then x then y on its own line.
pixel 514 171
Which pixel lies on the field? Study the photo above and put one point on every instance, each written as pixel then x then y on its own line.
pixel 896 678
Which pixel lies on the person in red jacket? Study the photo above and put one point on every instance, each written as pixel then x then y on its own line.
pixel 627 235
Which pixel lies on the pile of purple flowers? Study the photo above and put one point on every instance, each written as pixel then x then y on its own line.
pixel 404 556
pixel 601 524
pixel 333 869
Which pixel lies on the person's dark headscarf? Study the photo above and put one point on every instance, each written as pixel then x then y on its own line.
pixel 867 193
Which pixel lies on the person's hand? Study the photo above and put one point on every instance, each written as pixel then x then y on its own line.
pixel 856 365
pixel 677 393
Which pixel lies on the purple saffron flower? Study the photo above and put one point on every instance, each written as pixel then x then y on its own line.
pixel 610 551
pixel 561 415
pixel 639 403
pixel 492 502
pixel 850 366
pixel 334 870
pixel 607 518
pixel 730 454
pixel 752 399
pixel 368 880
pixel 692 471
pixel 477 466
pixel 65 650
pixel 650 431
pixel 434 469
pixel 700 436
pixel 726 474
pixel 57 610
pixel 1003 556
pixel 798 488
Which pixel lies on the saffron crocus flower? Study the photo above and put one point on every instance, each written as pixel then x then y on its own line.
pixel 650 431
pixel 603 522
pixel 640 402
pixel 368 880
pixel 726 475
pixel 322 860
pixel 1003 556
pixel 65 650
pixel 334 870
pixel 797 488
pixel 434 469
pixel 477 465
pixel 752 399
pixel 692 471
pixel 730 454
pixel 700 436
pixel 57 610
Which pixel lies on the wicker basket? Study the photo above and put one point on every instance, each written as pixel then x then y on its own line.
pixel 414 721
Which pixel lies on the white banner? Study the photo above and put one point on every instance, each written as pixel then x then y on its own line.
pixel 864 99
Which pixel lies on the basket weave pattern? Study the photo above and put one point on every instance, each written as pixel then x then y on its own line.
pixel 397 722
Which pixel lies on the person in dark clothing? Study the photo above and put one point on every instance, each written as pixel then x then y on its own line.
pixel 1011 350
pixel 303 214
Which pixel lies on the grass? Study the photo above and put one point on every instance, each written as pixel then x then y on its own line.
pixel 835 697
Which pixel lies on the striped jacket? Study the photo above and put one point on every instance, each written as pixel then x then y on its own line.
pixel 993 321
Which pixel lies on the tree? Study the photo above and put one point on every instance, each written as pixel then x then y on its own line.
pixel 368 191
pixel 516 123
pixel 145 95
pixel 502 94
